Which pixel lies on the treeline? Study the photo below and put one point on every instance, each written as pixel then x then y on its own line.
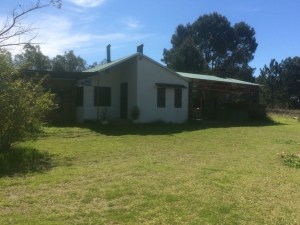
pixel 34 59
pixel 281 84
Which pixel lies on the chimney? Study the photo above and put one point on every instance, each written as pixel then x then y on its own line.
pixel 108 53
pixel 140 48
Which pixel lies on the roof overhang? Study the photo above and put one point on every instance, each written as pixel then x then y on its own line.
pixel 164 85
pixel 215 79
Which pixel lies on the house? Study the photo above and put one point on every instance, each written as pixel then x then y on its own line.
pixel 135 80
pixel 118 86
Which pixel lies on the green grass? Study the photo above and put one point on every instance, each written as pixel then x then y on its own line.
pixel 197 173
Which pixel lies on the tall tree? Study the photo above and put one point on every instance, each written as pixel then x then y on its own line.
pixel 185 58
pixel 217 42
pixel 213 35
pixel 14 31
pixel 291 81
pixel 281 83
pixel 68 62
pixel 270 77
pixel 34 58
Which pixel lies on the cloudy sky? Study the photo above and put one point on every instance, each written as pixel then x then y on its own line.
pixel 88 26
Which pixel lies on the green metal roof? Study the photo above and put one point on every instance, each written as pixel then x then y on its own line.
pixel 215 79
pixel 110 64
pixel 118 61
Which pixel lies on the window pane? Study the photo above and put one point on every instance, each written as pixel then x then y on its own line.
pixel 102 96
pixel 161 97
pixel 178 98
pixel 79 96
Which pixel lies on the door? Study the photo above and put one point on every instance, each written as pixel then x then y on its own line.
pixel 124 100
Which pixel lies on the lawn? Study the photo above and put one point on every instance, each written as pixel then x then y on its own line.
pixel 197 173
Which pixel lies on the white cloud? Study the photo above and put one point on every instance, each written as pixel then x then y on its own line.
pixel 88 3
pixel 131 23
pixel 58 39
pixel 60 33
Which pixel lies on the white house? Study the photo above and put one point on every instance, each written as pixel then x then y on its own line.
pixel 134 80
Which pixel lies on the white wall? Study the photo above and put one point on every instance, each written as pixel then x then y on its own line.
pixel 129 74
pixel 142 76
pixel 124 72
pixel 149 74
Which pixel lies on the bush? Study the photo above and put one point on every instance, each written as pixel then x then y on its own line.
pixel 23 105
pixel 135 113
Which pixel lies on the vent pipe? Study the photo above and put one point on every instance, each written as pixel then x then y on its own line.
pixel 140 48
pixel 108 53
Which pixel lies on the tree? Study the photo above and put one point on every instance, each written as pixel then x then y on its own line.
pixel 217 42
pixel 15 31
pixel 23 105
pixel 68 62
pixel 186 58
pixel 290 79
pixel 213 34
pixel 271 78
pixel 281 86
pixel 95 64
pixel 34 57
pixel 6 56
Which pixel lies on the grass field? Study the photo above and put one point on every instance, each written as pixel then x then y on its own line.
pixel 197 173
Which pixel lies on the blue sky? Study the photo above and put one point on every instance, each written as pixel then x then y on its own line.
pixel 88 26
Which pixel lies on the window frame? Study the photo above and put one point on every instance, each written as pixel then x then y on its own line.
pixel 79 96
pixel 105 92
pixel 177 98
pixel 161 97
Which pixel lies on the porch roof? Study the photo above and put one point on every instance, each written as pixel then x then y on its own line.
pixel 216 79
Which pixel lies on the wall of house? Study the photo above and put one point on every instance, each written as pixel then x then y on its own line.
pixel 129 75
pixel 149 73
pixel 113 77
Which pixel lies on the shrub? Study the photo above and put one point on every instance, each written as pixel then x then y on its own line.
pixel 104 114
pixel 135 113
pixel 23 105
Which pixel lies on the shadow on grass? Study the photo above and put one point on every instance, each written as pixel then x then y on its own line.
pixel 161 128
pixel 125 127
pixel 23 160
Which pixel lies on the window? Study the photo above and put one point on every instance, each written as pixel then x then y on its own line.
pixel 102 96
pixel 178 98
pixel 161 97
pixel 79 96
